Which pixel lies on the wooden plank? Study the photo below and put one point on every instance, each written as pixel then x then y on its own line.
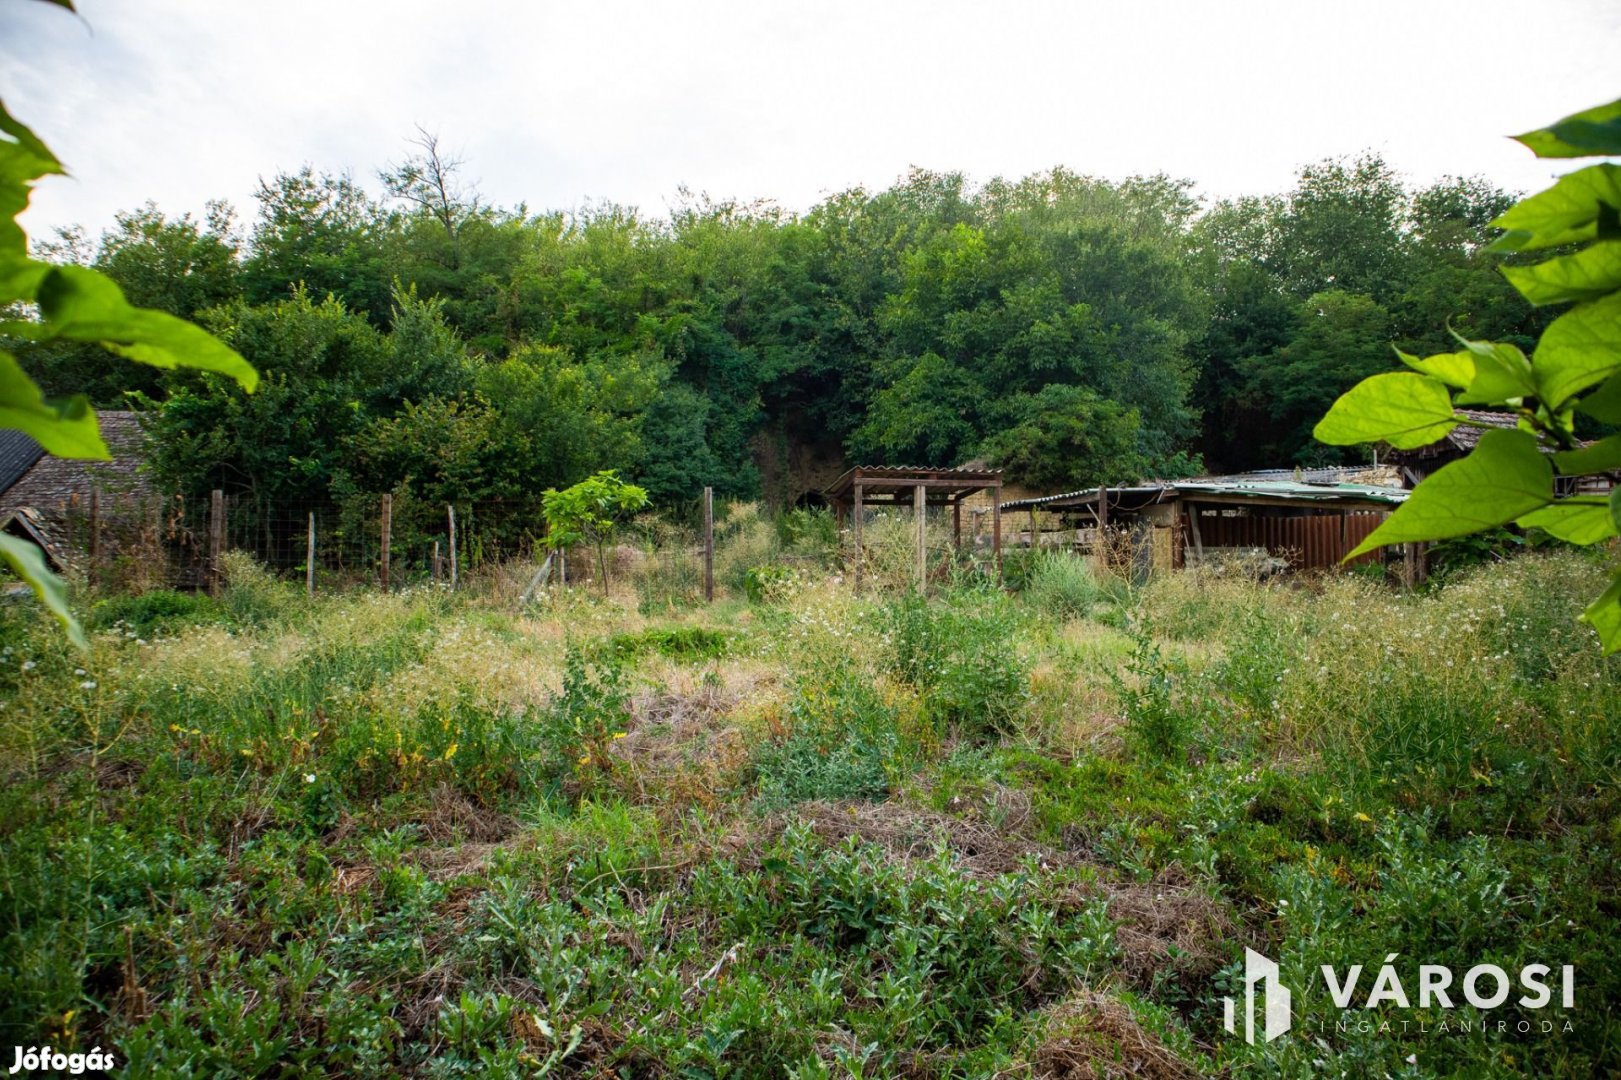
pixel 1198 536
pixel 309 558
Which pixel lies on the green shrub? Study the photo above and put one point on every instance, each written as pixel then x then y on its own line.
pixel 810 532
pixel 156 612
pixel 957 652
pixel 1062 585
pixel 1160 720
pixel 772 583
pixel 843 741
pixel 688 643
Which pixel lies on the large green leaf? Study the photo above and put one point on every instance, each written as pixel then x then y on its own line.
pixel 1504 478
pixel 29 564
pixel 64 428
pixel 1604 615
pixel 80 304
pixel 1455 369
pixel 1576 521
pixel 1587 275
pixel 1602 456
pixel 1566 213
pixel 1502 373
pixel 23 159
pixel 1400 408
pixel 1591 133
pixel 1579 349
pixel 1604 404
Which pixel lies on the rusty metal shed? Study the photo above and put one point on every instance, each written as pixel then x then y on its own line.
pixel 866 486
pixel 1311 524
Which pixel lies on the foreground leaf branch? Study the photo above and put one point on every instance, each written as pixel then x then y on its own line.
pixel 1510 476
pixel 43 302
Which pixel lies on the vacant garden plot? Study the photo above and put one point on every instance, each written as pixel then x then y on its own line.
pixel 816 834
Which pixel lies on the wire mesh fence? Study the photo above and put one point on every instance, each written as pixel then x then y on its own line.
pixel 672 559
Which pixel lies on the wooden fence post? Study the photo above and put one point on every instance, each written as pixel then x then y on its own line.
pixel 996 531
pixel 309 559
pixel 453 565
pixel 95 532
pixel 859 513
pixel 216 541
pixel 388 528
pixel 709 545
pixel 438 568
pixel 920 510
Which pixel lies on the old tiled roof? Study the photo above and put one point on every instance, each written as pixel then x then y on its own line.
pixel 1464 437
pixel 17 455
pixel 49 483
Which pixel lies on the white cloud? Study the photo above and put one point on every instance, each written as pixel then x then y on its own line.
pixel 554 104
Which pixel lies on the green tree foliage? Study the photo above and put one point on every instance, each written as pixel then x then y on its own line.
pixel 320 232
pixel 1062 438
pixel 1303 284
pixel 1063 326
pixel 1574 368
pixel 589 513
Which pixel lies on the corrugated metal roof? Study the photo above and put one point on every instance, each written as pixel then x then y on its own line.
pixel 880 477
pixel 1293 489
pixel 1279 490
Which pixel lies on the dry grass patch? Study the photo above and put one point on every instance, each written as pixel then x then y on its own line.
pixel 1095 1037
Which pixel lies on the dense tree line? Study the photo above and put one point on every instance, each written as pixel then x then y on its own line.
pixel 1070 329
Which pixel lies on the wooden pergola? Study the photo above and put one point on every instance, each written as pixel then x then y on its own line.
pixel 885 485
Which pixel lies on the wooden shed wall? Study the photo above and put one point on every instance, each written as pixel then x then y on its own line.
pixel 1314 542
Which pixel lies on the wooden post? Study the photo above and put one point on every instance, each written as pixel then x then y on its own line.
pixel 996 530
pixel 388 530
pixel 709 545
pixel 451 510
pixel 216 541
pixel 95 532
pixel 860 492
pixel 438 568
pixel 309 559
pixel 920 510
pixel 1193 529
pixel 1101 548
pixel 956 521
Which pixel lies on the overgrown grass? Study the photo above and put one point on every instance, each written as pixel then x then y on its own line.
pixel 823 835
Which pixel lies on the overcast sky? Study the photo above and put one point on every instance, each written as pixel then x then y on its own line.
pixel 558 104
